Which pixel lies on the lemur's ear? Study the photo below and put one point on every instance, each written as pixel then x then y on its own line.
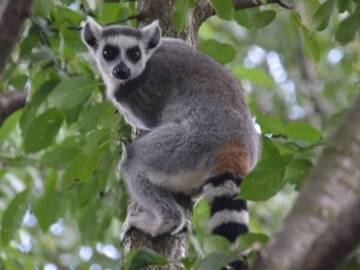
pixel 152 35
pixel 91 33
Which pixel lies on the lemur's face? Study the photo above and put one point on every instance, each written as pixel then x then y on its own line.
pixel 120 52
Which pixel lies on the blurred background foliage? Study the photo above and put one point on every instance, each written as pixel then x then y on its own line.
pixel 61 200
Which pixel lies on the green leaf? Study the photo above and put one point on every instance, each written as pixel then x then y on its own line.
pixel 9 125
pixel 217 260
pixel 263 18
pixel 302 131
pixel 13 216
pixel 254 18
pixel 215 243
pixel 139 259
pixel 112 12
pixel 47 209
pixel 311 46
pixel 81 168
pixel 224 8
pixel 221 52
pixel 100 115
pixel 322 15
pixel 200 218
pixel 348 28
pixel 297 170
pixel 255 75
pixel 41 93
pixel 43 130
pixel 60 155
pixel 266 180
pixel 97 139
pixel 246 241
pixel 271 124
pixel 268 148
pixel 27 44
pixel 67 15
pixel 42 8
pixel 19 81
pixel 71 92
pixel 343 5
pixel 244 16
pixel 71 40
pixel 180 15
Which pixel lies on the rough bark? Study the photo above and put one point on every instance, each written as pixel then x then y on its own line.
pixel 13 15
pixel 203 10
pixel 11 102
pixel 332 187
pixel 336 242
pixel 157 10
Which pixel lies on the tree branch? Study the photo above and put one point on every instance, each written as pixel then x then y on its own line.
pixel 334 244
pixel 171 246
pixel 332 187
pixel 157 10
pixel 11 22
pixel 13 14
pixel 204 10
pixel 242 4
pixel 11 102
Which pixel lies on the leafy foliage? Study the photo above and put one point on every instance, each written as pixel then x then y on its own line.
pixel 59 184
pixel 139 259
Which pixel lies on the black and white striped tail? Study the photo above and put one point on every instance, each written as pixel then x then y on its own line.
pixel 229 216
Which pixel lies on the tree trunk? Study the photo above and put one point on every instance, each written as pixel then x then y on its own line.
pixel 12 16
pixel 171 246
pixel 10 102
pixel 325 208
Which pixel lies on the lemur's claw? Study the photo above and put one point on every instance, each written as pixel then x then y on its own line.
pixel 126 227
pixel 182 228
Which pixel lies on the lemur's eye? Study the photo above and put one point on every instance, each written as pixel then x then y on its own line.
pixel 134 54
pixel 110 52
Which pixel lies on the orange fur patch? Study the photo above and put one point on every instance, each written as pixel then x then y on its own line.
pixel 232 157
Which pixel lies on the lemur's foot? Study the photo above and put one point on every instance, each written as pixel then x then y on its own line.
pixel 128 224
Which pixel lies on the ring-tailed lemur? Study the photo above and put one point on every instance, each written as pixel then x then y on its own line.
pixel 200 132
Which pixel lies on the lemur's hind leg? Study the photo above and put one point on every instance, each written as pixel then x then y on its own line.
pixel 160 212
pixel 154 167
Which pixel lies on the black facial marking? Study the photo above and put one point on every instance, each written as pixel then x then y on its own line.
pixel 110 52
pixel 134 54
pixel 121 71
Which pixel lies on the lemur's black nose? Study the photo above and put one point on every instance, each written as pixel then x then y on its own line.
pixel 121 71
